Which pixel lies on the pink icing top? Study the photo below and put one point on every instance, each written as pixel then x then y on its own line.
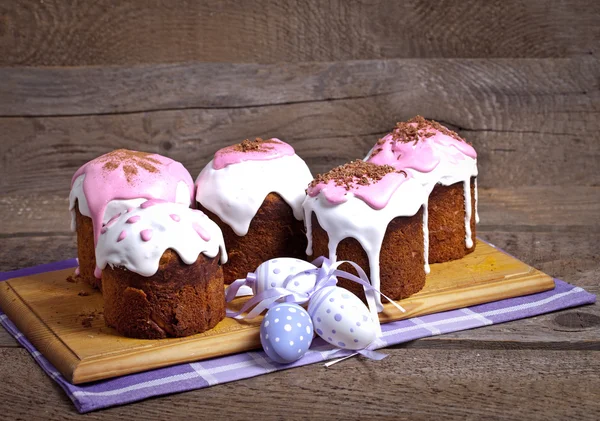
pixel 123 175
pixel 251 150
pixel 423 155
pixel 377 194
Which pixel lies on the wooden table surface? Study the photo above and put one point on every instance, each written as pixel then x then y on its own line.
pixel 520 80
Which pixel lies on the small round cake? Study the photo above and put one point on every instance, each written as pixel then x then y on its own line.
pixel 112 183
pixel 373 215
pixel 447 166
pixel 161 271
pixel 254 192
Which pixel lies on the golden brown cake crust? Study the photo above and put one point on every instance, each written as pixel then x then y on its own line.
pixel 401 259
pixel 447 222
pixel 274 232
pixel 179 300
pixel 86 251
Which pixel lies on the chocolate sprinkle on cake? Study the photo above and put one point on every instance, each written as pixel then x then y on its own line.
pixel 417 127
pixel 414 130
pixel 355 172
pixel 256 145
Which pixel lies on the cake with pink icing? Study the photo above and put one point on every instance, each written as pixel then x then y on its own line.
pixel 374 215
pixel 161 271
pixel 254 192
pixel 112 183
pixel 446 165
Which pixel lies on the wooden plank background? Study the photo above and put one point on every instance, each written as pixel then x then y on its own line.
pixel 518 79
pixel 105 32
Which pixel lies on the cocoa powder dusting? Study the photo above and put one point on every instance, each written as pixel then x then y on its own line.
pixel 110 166
pixel 256 145
pixel 130 171
pixel 417 127
pixel 355 173
pixel 131 161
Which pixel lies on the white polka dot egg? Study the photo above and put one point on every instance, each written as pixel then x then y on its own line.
pixel 341 318
pixel 286 332
pixel 274 272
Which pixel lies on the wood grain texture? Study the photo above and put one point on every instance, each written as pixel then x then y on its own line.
pixel 509 85
pixel 69 33
pixel 6 340
pixel 526 208
pixel 522 221
pixel 527 129
pixel 48 311
pixel 466 384
pixel 517 79
pixel 545 383
pixel 41 155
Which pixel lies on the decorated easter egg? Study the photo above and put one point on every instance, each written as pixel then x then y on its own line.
pixel 286 332
pixel 273 274
pixel 341 318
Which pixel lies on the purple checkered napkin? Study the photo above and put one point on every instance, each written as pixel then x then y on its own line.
pixel 189 376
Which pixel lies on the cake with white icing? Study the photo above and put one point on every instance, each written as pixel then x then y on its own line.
pixel 254 191
pixel 373 215
pixel 112 183
pixel 161 271
pixel 446 165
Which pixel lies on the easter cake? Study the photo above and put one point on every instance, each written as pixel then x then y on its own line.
pixel 254 192
pixel 112 183
pixel 161 271
pixel 373 215
pixel 446 165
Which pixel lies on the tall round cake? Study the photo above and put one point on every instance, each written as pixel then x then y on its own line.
pixel 161 271
pixel 373 215
pixel 112 183
pixel 254 192
pixel 446 165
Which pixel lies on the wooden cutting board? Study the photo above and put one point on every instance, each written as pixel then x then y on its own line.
pixel 64 319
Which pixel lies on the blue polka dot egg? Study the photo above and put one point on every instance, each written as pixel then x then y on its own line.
pixel 341 318
pixel 286 332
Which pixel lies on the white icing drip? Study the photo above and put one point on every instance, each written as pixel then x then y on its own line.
pixel 355 219
pixel 426 236
pixel 143 257
pixel 468 234
pixel 476 202
pixel 77 195
pixel 454 167
pixel 236 192
pixel 114 207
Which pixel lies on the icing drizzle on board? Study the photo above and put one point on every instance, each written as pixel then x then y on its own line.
pixel 121 179
pixel 137 239
pixel 236 182
pixel 347 214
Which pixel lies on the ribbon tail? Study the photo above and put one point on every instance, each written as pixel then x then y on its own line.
pixel 232 290
pixel 363 280
pixel 372 355
pixel 262 302
pixel 337 360
pixel 262 306
pixel 372 304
